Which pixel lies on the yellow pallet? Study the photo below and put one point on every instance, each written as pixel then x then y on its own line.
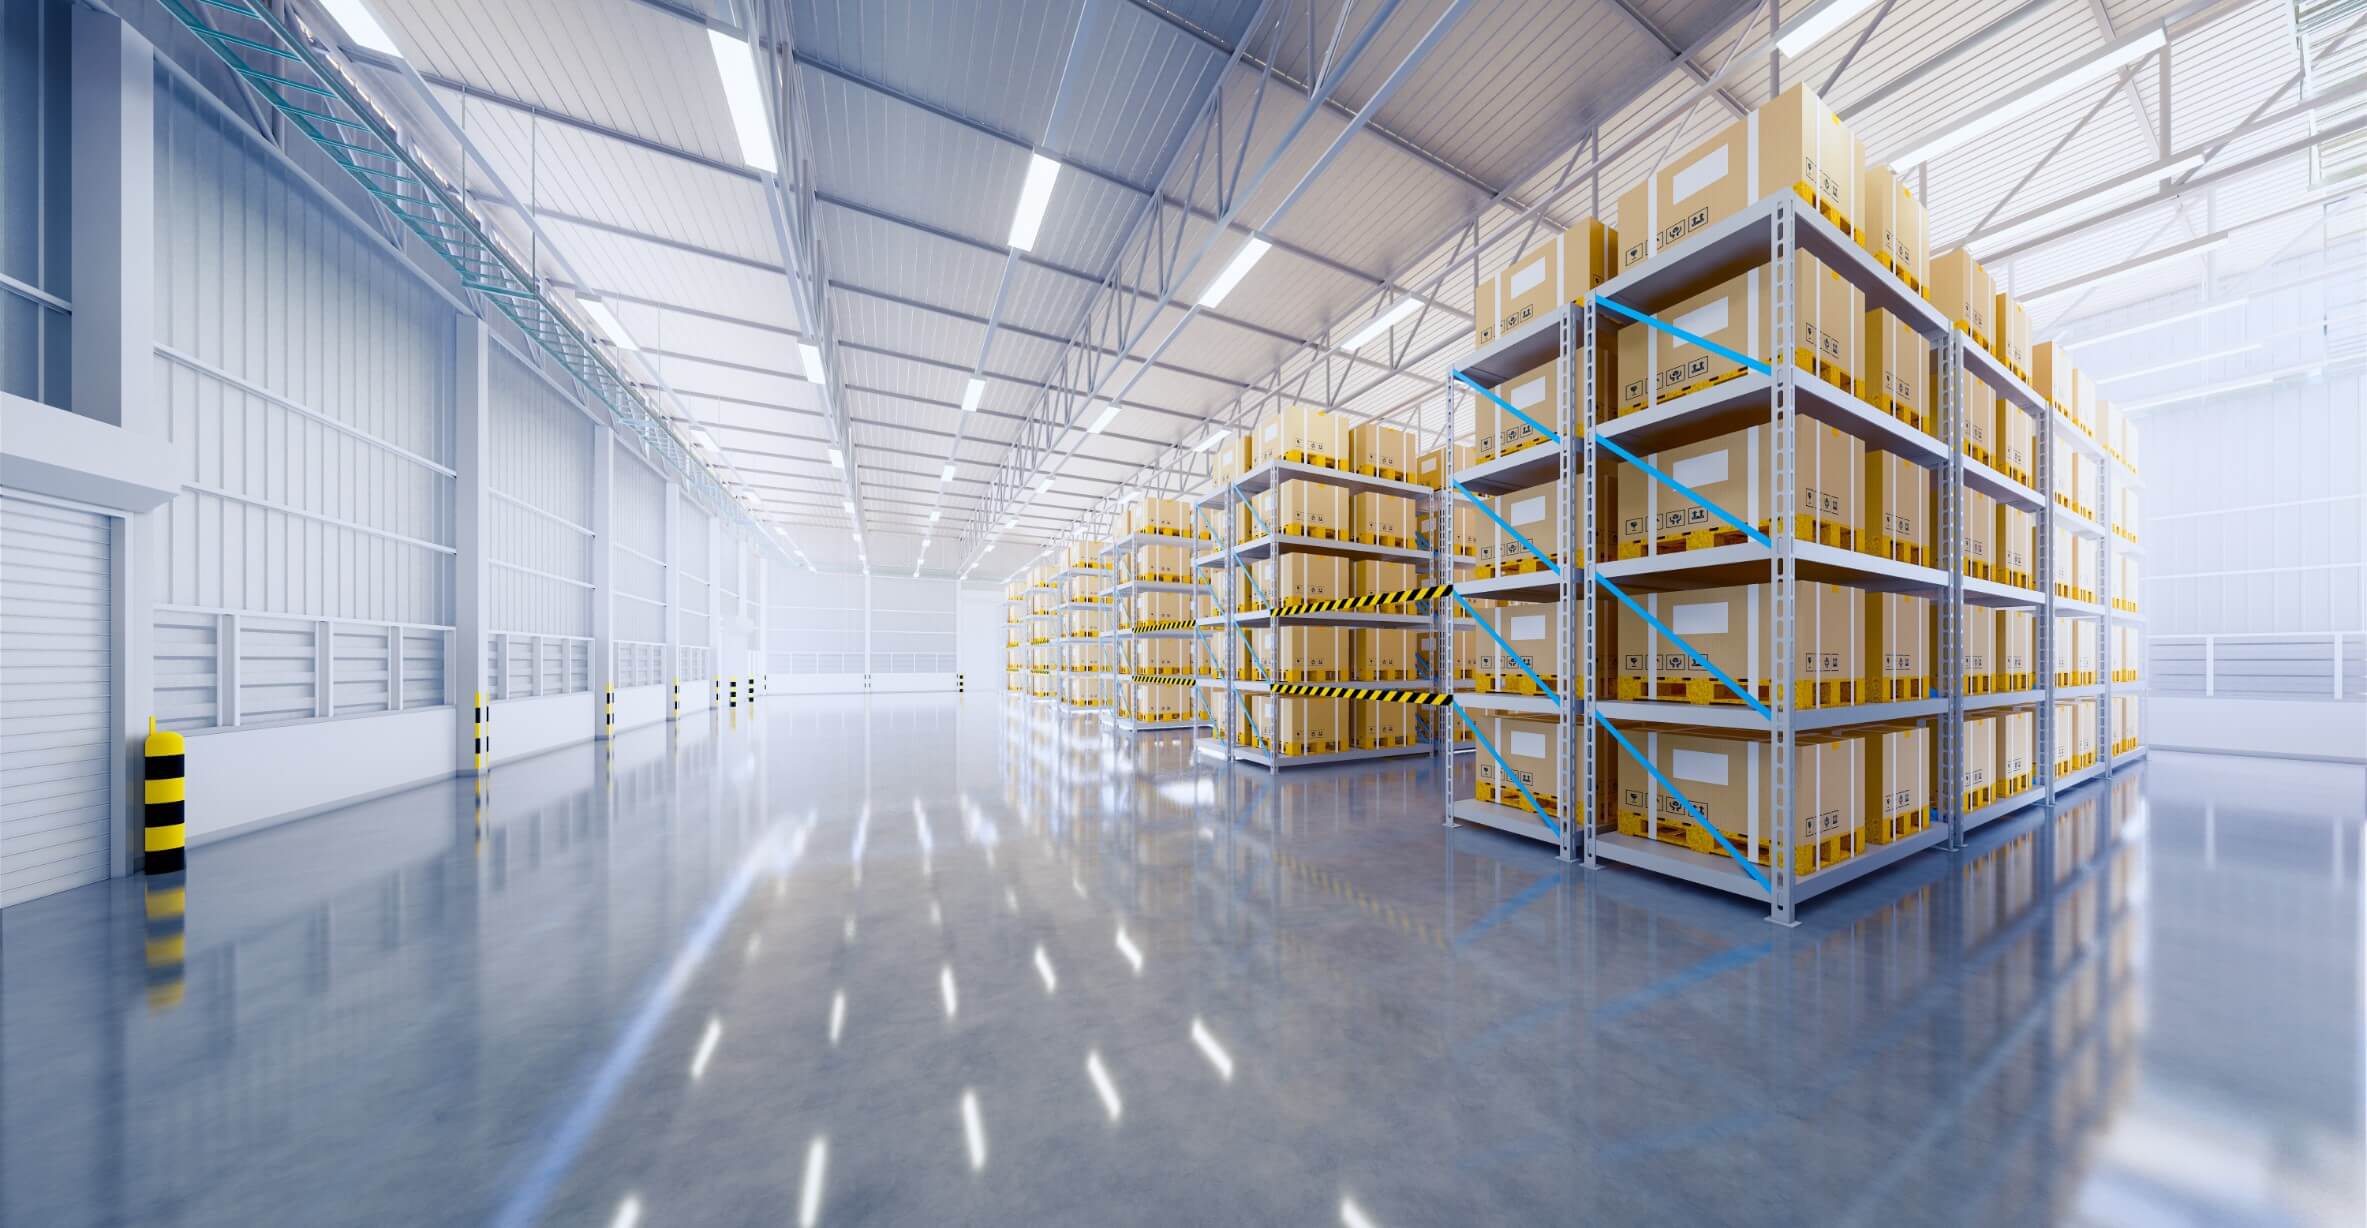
pixel 1905 413
pixel 1683 832
pixel 1518 684
pixel 1913 282
pixel 1522 566
pixel 2008 682
pixel 1389 675
pixel 1979 338
pixel 1299 456
pixel 2018 579
pixel 1978 569
pixel 1383 743
pixel 1487 791
pixel 1897 690
pixel 1805 693
pixel 1898 827
pixel 1310 675
pixel 1979 684
pixel 2021 475
pixel 1381 471
pixel 2015 784
pixel 1682 390
pixel 1293 750
pixel 1897 550
pixel 1385 539
pixel 1323 531
pixel 1976 798
pixel 1832 212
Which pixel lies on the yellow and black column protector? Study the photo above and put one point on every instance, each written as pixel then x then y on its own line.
pixel 608 713
pixel 167 898
pixel 735 693
pixel 677 699
pixel 484 742
pixel 162 794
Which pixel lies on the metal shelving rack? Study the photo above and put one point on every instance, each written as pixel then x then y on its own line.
pixel 1083 658
pixel 1124 638
pixel 1042 628
pixel 1767 234
pixel 1232 625
pixel 1015 646
pixel 2118 473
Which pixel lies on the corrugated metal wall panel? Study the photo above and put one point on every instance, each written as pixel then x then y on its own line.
pixel 538 531
pixel 307 379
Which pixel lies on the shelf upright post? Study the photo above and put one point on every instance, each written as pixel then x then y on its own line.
pixel 1567 713
pixel 2043 459
pixel 1949 737
pixel 1444 724
pixel 2103 730
pixel 1784 566
pixel 1579 580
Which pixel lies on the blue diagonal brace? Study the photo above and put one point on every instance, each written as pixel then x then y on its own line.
pixel 1671 329
pixel 1679 640
pixel 1687 803
pixel 1541 428
pixel 1506 768
pixel 1721 513
pixel 1516 657
pixel 1526 544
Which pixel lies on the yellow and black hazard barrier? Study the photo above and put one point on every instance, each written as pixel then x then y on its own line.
pixel 1167 679
pixel 1370 601
pixel 752 689
pixel 163 793
pixel 484 744
pixel 1166 624
pixel 735 693
pixel 166 903
pixel 1432 699
pixel 608 713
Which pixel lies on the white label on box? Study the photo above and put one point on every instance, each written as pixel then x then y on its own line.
pixel 1694 178
pixel 1699 618
pixel 1702 321
pixel 1527 744
pixel 1523 396
pixel 1529 276
pixel 1699 766
pixel 1699 471
pixel 1525 511
pixel 1527 627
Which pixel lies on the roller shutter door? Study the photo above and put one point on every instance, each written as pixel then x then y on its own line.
pixel 56 745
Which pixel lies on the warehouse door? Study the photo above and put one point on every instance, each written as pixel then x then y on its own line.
pixel 57 747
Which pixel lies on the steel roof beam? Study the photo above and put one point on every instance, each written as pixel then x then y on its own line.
pixel 1677 55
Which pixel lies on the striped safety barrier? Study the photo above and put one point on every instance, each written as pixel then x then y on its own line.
pixel 1430 699
pixel 163 792
pixel 608 712
pixel 1166 624
pixel 1369 601
pixel 484 744
pixel 1167 679
pixel 677 713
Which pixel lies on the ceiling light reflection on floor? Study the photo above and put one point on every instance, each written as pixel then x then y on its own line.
pixel 1127 948
pixel 628 1212
pixel 809 1194
pixel 1044 969
pixel 1102 1086
pixel 1214 1052
pixel 953 1000
pixel 838 1016
pixel 1353 1216
pixel 707 1042
pixel 973 1130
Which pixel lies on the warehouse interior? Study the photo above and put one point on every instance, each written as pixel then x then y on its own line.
pixel 1388 612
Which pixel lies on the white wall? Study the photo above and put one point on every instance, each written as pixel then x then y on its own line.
pixel 979 637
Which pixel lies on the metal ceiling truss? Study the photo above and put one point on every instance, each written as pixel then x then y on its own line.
pixel 295 71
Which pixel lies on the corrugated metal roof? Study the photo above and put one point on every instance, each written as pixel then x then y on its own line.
pixel 997 63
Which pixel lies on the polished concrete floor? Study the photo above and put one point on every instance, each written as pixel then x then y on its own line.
pixel 905 961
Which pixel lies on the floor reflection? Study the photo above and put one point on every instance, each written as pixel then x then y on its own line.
pixel 884 960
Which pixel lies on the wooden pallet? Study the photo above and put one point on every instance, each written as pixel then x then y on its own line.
pixel 1898 827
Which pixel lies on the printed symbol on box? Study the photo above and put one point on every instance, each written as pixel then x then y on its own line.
pixel 1634 798
pixel 1832 345
pixel 1699 366
pixel 1700 218
pixel 1673 661
pixel 1670 234
pixel 1633 524
pixel 1632 661
pixel 1696 515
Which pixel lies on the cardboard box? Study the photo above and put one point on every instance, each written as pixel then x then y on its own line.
pixel 1382 450
pixel 2052 374
pixel 1840 484
pixel 1979 648
pixel 2086 716
pixel 1235 456
pixel 1431 468
pixel 2083 400
pixel 1530 630
pixel 1380 723
pixel 1563 269
pixel 1729 783
pixel 1532 749
pixel 1897 370
pixel 2016 657
pixel 1308 654
pixel 1297 576
pixel 1898 782
pixel 2017 751
pixel 1737 473
pixel 1962 290
pixel 1303 508
pixel 1978 762
pixel 1169 563
pixel 1537 393
pixel 1653 365
pixel 1303 433
pixel 1157 607
pixel 1897 508
pixel 1979 522
pixel 1734 629
pixel 1301 725
pixel 1535 530
pixel 2017 436
pixel 1369 576
pixel 2066 739
pixel 1381 654
pixel 1980 418
pixel 2012 343
pixel 1898 647
pixel 1157 515
pixel 1382 518
pixel 1793 141
pixel 1894 227
pixel 2016 545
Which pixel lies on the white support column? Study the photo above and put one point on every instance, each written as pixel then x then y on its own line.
pixel 673 551
pixel 603 590
pixel 472 351
pixel 715 636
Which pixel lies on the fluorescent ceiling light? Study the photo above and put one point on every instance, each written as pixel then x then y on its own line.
pixel 2150 325
pixel 2070 81
pixel 946 476
pixel 1243 261
pixel 1044 483
pixel 1808 30
pixel 735 62
pixel 838 459
pixel 599 314
pixel 811 355
pixel 1215 437
pixel 2123 269
pixel 1380 324
pixel 699 436
pixel 1034 197
pixel 361 25
pixel 2182 362
pixel 2119 190
pixel 971 392
pixel 1109 414
pixel 849 505
pixel 934 513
